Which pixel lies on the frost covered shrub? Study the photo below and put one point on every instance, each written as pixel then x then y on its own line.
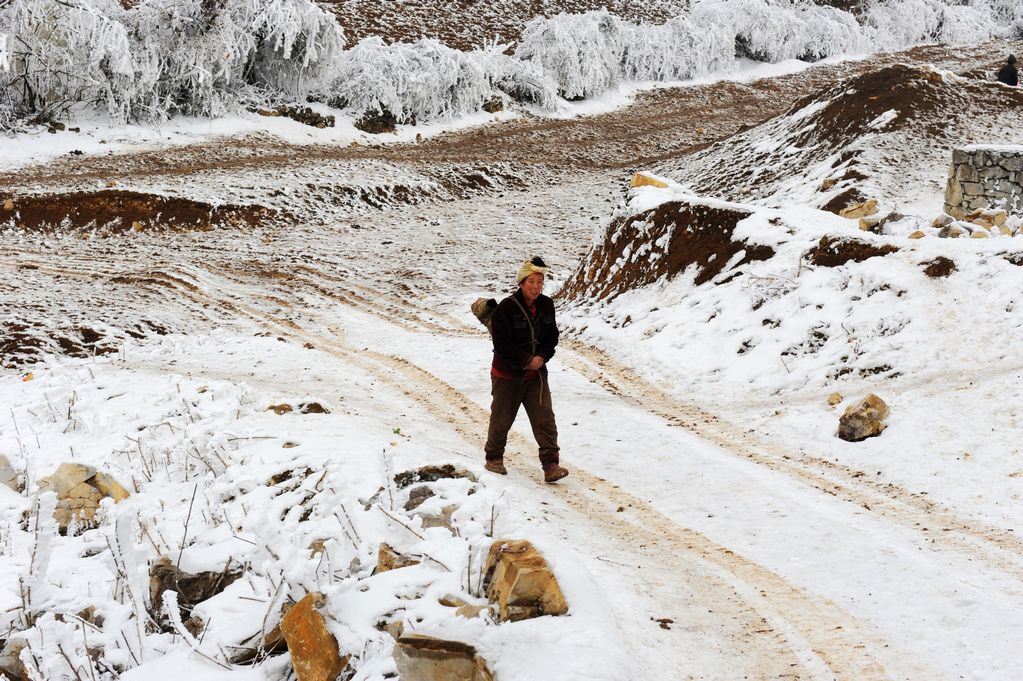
pixel 675 50
pixel 581 53
pixel 523 81
pixel 427 80
pixel 894 24
pixel 774 31
pixel 201 57
pixel 61 52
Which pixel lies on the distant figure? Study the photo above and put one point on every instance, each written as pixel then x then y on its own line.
pixel 1008 73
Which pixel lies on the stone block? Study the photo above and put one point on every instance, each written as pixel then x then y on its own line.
pixel 519 581
pixel 953 231
pixel 79 490
pixel 8 476
pixel 314 651
pixel 953 192
pixel 646 180
pixel 10 662
pixel 967 173
pixel 425 658
pixel 863 419
pixel 1013 164
pixel 388 559
pixel 859 210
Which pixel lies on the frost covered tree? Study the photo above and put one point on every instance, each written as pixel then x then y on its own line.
pixel 775 30
pixel 205 57
pixel 163 57
pixel 581 53
pixel 61 52
pixel 427 80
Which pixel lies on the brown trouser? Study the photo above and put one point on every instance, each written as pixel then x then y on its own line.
pixel 535 396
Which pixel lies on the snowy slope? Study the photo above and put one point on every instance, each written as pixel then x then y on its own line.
pixel 886 135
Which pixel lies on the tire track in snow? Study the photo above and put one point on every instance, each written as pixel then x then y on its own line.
pixel 793 634
pixel 941 526
pixel 1000 549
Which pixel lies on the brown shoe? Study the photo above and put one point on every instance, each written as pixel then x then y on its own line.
pixel 496 466
pixel 554 473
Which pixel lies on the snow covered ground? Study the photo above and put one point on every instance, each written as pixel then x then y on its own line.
pixel 713 526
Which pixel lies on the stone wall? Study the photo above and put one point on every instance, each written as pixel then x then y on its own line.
pixel 984 177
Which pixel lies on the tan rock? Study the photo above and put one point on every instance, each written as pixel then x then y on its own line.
pixel 646 180
pixel 987 218
pixel 451 601
pixel 942 220
pixel 859 210
pixel 395 628
pixel 471 611
pixel 1004 230
pixel 10 662
pixel 863 419
pixel 918 234
pixel 835 398
pixel 442 519
pixel 424 658
pixel 871 223
pixel 8 205
pixel 8 476
pixel 519 581
pixel 388 559
pixel 79 490
pixel 980 233
pixel 136 226
pixel 828 184
pixel 953 231
pixel 314 652
pixel 109 487
pixel 280 409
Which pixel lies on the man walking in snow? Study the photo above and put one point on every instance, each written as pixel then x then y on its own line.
pixel 525 334
pixel 1008 73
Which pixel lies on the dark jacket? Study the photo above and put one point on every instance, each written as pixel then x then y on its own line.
pixel 1008 75
pixel 513 343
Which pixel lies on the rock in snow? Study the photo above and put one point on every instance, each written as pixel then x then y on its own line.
pixel 424 658
pixel 79 491
pixel 863 419
pixel 521 583
pixel 314 652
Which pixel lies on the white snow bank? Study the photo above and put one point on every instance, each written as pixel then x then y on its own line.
pixel 197 449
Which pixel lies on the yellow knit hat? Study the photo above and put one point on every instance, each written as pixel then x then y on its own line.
pixel 534 264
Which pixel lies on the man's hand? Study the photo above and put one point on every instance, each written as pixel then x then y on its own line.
pixel 535 363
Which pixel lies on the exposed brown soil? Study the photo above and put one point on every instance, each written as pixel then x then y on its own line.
pixel 833 251
pixel 467 24
pixel 118 211
pixel 700 236
pixel 849 197
pixel 192 589
pixel 22 341
pixel 939 268
pixel 429 474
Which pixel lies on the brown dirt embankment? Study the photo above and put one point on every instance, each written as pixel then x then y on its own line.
pixel 118 211
pixel 659 244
